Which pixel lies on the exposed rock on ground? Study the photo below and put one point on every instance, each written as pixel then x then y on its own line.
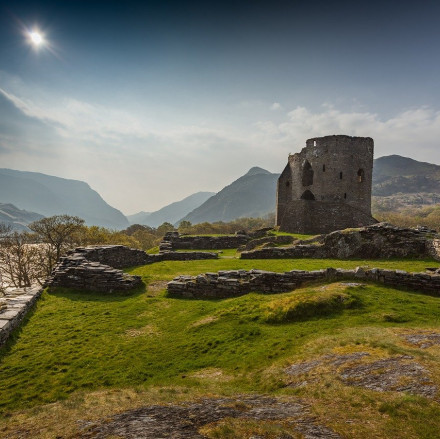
pixel 423 340
pixel 399 373
pixel 185 421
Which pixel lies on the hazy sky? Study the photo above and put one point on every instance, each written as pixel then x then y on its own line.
pixel 151 101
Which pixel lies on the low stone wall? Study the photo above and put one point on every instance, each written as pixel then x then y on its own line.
pixel 75 271
pixel 434 248
pixel 180 256
pixel 117 256
pixel 235 283
pixel 379 241
pixel 13 308
pixel 96 268
pixel 175 241
pixel 268 240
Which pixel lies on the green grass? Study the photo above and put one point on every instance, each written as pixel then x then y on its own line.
pixel 77 341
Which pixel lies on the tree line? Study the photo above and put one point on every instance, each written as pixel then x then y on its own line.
pixel 29 257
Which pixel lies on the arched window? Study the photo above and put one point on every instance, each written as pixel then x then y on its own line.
pixel 323 168
pixel 307 195
pixel 307 174
pixel 340 175
pixel 345 195
pixel 361 175
pixel 287 183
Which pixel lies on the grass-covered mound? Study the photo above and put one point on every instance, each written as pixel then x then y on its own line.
pixel 311 304
pixel 93 355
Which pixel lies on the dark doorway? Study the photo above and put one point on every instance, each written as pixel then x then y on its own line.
pixel 307 195
pixel 307 174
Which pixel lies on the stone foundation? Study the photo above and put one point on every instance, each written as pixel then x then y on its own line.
pixel 235 283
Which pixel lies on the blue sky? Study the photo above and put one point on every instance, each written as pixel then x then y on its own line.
pixel 151 101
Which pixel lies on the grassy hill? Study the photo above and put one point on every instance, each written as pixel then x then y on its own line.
pixel 82 357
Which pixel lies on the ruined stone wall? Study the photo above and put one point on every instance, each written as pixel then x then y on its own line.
pixel 377 241
pixel 180 256
pixel 226 284
pixel 117 256
pixel 13 309
pixel 312 217
pixel 75 271
pixel 175 241
pixel 434 248
pixel 331 172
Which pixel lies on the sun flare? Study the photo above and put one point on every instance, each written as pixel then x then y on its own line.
pixel 36 38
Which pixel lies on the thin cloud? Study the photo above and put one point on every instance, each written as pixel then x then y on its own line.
pixel 413 132
pixel 276 106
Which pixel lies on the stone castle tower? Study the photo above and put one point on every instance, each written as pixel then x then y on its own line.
pixel 327 186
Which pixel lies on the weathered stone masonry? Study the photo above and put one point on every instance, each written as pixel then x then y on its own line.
pixel 235 283
pixel 326 186
pixel 95 268
pixel 13 308
pixel 75 271
pixel 175 241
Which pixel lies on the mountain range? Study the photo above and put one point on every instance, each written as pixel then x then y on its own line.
pixel 395 174
pixel 171 213
pixel 17 218
pixel 50 195
pixel 397 182
pixel 252 195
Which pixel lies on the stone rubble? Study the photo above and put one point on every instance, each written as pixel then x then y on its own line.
pixel 378 241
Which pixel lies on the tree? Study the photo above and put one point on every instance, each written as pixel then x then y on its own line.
pixel 184 226
pixel 19 260
pixel 59 233
pixel 164 228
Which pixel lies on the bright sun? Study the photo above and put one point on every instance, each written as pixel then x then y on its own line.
pixel 36 38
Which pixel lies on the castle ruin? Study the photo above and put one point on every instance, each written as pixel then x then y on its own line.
pixel 326 186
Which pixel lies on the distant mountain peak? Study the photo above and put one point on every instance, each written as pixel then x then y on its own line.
pixel 256 170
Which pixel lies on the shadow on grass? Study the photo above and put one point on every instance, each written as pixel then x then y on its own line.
pixel 96 296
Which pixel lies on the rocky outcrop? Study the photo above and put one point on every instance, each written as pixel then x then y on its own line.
pixel 381 240
pixel 235 283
